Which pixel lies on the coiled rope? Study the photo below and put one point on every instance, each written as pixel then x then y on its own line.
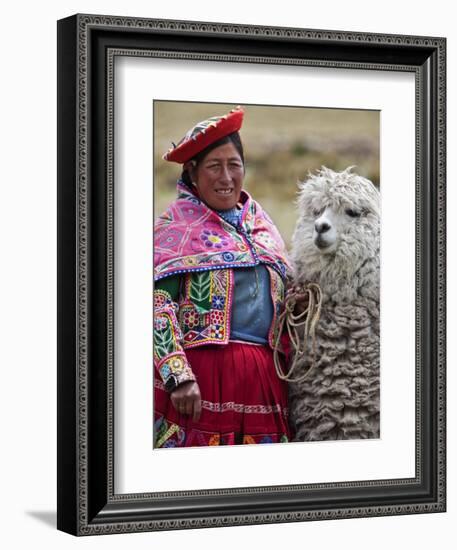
pixel 311 294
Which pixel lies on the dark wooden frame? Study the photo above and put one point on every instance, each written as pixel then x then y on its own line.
pixel 87 46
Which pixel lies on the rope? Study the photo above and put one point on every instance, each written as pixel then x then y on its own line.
pixel 311 293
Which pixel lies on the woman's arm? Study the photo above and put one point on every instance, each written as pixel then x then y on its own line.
pixel 169 356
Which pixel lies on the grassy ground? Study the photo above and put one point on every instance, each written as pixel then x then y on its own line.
pixel 281 145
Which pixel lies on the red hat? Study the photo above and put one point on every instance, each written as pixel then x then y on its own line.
pixel 203 134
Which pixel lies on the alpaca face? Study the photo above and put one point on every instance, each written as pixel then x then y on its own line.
pixel 326 230
pixel 337 226
pixel 338 222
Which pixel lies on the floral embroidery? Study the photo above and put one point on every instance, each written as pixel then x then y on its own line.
pixel 160 323
pixel 161 297
pixel 190 318
pixel 217 332
pixel 169 238
pixel 192 213
pixel 217 317
pixel 228 256
pixel 213 239
pixel 266 240
pixel 204 307
pixel 218 302
pixel 177 366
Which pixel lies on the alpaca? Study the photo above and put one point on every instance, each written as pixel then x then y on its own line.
pixel 336 244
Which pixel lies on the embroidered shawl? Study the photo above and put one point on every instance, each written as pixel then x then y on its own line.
pixel 189 236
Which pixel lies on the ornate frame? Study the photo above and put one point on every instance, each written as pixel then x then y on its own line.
pixel 88 45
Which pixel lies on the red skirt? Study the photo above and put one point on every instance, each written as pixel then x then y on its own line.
pixel 243 400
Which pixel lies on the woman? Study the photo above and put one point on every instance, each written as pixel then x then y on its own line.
pixel 219 269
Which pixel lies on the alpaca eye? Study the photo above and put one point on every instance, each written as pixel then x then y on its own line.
pixel 352 213
pixel 317 212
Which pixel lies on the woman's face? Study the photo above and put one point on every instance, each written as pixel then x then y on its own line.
pixel 219 177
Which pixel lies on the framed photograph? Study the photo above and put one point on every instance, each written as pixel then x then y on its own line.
pixel 251 250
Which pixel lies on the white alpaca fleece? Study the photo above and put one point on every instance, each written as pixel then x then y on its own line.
pixel 336 244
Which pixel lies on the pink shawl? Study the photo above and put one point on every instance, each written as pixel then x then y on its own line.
pixel 190 236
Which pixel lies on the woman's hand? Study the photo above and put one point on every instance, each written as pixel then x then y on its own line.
pixel 301 299
pixel 186 399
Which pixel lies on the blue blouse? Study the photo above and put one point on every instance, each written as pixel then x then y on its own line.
pixel 252 311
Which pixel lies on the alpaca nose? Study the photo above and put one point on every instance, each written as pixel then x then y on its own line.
pixel 321 227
